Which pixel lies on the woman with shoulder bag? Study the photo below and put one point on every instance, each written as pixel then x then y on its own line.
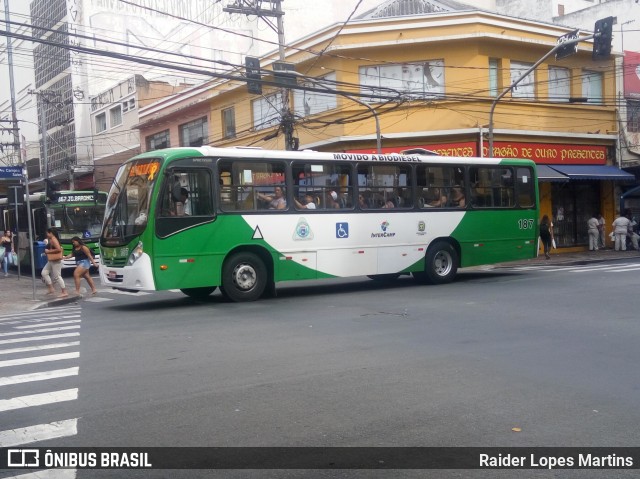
pixel 52 272
pixel 6 242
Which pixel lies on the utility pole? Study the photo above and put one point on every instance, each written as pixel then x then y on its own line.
pixel 14 115
pixel 254 7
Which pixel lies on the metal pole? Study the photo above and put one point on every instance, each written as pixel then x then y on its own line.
pixel 25 174
pixel 375 117
pixel 15 201
pixel 14 116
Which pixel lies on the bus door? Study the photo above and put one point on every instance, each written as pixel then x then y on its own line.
pixel 184 242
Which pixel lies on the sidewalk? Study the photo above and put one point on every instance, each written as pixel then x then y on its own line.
pixel 16 295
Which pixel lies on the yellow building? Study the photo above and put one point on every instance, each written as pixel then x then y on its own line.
pixel 426 80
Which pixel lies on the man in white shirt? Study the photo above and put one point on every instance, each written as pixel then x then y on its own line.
pixel 620 230
pixel 593 232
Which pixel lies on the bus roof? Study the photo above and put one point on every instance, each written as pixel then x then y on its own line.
pixel 259 153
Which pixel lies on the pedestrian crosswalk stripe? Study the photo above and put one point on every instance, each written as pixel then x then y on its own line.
pixel 40 347
pixel 38 338
pixel 48 313
pixel 38 399
pixel 48 474
pixel 41 376
pixel 39 359
pixel 39 432
pixel 29 326
pixel 42 330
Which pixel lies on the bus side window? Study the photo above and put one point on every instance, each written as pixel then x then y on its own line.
pixel 525 187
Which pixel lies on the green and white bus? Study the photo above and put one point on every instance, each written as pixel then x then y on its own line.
pixel 72 213
pixel 373 215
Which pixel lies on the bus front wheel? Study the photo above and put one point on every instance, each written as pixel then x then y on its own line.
pixel 199 293
pixel 441 264
pixel 244 277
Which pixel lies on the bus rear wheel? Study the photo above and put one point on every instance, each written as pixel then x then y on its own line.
pixel 199 293
pixel 244 277
pixel 441 264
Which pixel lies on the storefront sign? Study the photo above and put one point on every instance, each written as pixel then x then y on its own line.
pixel 550 153
pixel 544 153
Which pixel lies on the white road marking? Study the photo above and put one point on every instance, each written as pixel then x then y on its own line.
pixel 38 338
pixel 41 376
pixel 58 323
pixel 38 399
pixel 43 330
pixel 39 359
pixel 39 432
pixel 39 348
pixel 48 474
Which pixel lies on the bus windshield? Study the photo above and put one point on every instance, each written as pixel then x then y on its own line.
pixel 128 204
pixel 77 220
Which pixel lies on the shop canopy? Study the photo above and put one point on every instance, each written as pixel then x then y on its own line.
pixel 546 173
pixel 593 172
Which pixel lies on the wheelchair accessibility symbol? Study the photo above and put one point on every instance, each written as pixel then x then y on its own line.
pixel 342 230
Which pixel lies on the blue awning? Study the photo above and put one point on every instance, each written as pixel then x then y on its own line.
pixel 546 173
pixel 594 172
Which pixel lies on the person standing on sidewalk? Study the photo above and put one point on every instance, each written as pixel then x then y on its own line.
pixel 84 260
pixel 601 231
pixel 7 243
pixel 593 232
pixel 620 230
pixel 546 235
pixel 52 271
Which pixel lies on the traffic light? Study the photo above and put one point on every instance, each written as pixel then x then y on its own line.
pixel 51 189
pixel 252 66
pixel 602 38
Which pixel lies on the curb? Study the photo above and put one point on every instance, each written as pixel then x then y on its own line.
pixel 55 302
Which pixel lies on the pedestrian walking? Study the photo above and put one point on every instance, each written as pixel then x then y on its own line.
pixel 546 235
pixel 84 260
pixel 593 232
pixel 6 242
pixel 52 271
pixel 602 230
pixel 620 230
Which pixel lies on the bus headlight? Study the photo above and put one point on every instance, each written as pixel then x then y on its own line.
pixel 135 254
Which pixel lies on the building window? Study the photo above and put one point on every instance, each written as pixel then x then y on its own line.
pixel 229 122
pixel 158 140
pixel 115 116
pixel 592 86
pixel 101 122
pixel 308 103
pixel 267 111
pixel 633 116
pixel 559 84
pixel 424 79
pixel 129 105
pixel 493 76
pixel 194 133
pixel 526 87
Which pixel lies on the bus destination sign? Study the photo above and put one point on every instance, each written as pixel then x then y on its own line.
pixel 76 198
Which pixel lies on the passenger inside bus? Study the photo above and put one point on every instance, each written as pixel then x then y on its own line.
pixel 307 203
pixel 433 198
pixel 275 201
pixel 457 197
pixel 332 200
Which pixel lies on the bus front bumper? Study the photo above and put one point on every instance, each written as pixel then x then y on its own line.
pixel 137 277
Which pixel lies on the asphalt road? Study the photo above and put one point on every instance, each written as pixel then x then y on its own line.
pixel 551 353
